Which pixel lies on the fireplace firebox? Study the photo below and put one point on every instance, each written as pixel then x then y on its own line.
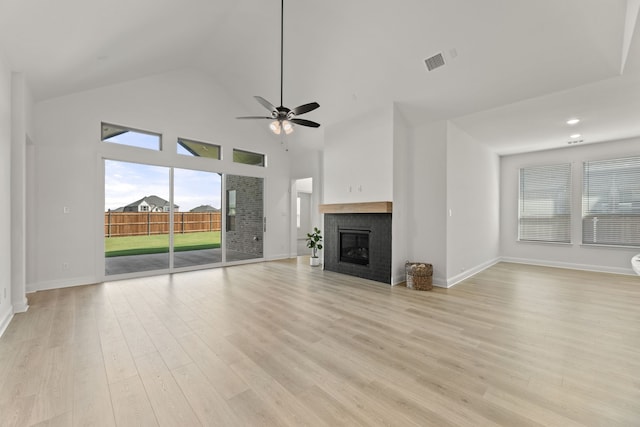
pixel 354 246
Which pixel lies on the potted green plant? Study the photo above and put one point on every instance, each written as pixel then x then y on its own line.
pixel 314 241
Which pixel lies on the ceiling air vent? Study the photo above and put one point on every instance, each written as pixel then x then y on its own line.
pixel 434 62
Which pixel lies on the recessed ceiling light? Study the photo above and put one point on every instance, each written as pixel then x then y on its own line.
pixel 575 136
pixel 573 121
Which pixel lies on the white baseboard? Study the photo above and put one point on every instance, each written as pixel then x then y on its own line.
pixel 470 272
pixel 4 322
pixel 571 266
pixel 59 284
pixel 440 282
pixel 21 306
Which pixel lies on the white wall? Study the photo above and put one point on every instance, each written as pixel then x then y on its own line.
pixel 304 185
pixel 21 118
pixel 69 169
pixel 427 197
pixel 402 170
pixel 358 159
pixel 473 205
pixel 434 168
pixel 574 255
pixel 6 308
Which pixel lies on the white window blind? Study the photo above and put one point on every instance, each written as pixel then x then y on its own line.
pixel 545 204
pixel 611 202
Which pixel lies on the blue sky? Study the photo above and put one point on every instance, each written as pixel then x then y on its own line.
pixel 127 182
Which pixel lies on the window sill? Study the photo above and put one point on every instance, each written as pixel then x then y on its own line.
pixel 596 245
pixel 538 242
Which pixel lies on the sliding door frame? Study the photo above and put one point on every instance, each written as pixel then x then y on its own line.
pixel 100 253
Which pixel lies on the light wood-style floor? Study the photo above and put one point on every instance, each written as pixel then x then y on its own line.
pixel 281 343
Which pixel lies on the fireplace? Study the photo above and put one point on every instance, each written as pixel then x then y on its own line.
pixel 354 246
pixel 358 244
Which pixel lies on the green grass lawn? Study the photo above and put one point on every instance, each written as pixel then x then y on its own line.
pixel 138 245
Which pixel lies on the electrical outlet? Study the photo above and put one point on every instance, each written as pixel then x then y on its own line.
pixel 65 265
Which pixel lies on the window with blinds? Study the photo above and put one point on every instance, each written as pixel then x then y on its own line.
pixel 545 204
pixel 611 202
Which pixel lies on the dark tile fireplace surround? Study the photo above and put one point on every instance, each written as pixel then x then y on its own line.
pixel 358 244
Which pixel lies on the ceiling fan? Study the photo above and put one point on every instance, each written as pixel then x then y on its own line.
pixel 282 117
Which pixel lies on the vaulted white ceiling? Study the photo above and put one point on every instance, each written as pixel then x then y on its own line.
pixel 514 70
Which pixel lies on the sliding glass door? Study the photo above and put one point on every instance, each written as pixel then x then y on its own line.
pixel 148 227
pixel 136 217
pixel 197 229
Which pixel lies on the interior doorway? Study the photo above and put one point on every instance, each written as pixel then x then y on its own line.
pixel 304 191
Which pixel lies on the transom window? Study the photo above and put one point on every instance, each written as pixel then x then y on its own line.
pixel 248 157
pixel 134 138
pixel 198 149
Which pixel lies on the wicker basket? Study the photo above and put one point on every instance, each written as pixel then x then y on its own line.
pixel 419 276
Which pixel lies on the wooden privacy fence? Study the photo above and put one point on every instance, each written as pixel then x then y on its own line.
pixel 118 224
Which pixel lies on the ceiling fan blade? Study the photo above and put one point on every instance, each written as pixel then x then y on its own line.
pixel 303 122
pixel 255 117
pixel 305 108
pixel 266 104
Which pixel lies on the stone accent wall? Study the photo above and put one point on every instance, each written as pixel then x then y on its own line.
pixel 249 215
pixel 379 225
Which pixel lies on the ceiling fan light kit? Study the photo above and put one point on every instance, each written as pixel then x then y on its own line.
pixel 277 127
pixel 284 118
